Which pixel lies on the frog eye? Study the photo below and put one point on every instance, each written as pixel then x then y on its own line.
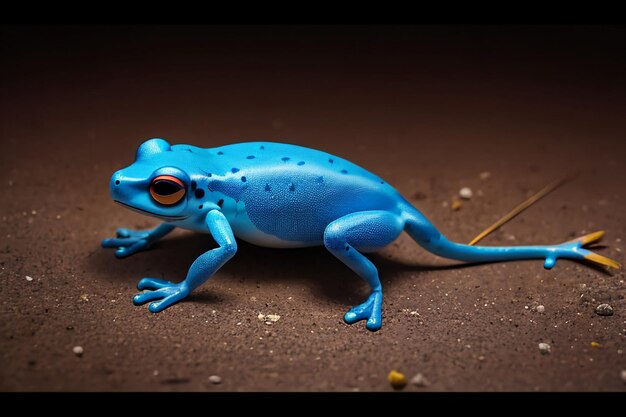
pixel 167 190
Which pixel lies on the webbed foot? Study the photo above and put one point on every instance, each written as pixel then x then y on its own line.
pixel 128 241
pixel 574 249
pixel 370 310
pixel 169 293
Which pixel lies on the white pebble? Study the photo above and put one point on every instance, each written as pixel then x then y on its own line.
pixel 624 375
pixel 541 309
pixel 215 379
pixel 604 310
pixel 465 193
pixel 273 317
pixel 29 278
pixel 268 318
pixel 78 350
pixel 485 175
pixel 419 381
pixel 545 348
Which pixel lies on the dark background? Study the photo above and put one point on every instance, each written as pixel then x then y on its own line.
pixel 426 107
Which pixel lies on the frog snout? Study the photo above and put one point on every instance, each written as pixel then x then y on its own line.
pixel 115 184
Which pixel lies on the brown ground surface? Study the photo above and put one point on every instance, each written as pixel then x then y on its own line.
pixel 427 108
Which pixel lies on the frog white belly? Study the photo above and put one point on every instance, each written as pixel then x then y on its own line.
pixel 244 229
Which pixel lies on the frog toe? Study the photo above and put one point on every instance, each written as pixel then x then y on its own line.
pixel 129 247
pixel 153 284
pixel 168 301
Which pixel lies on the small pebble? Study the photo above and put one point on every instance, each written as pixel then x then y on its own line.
pixel 419 381
pixel 273 317
pixel 624 375
pixel 541 309
pixel 456 205
pixel 78 351
pixel 396 379
pixel 268 318
pixel 545 348
pixel 466 193
pixel 29 278
pixel 604 310
pixel 485 175
pixel 595 344
pixel 215 379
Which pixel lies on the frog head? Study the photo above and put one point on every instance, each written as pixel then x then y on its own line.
pixel 155 184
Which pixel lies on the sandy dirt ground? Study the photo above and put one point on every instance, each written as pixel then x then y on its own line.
pixel 427 108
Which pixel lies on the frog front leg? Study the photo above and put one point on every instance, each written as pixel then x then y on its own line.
pixel 130 241
pixel 202 268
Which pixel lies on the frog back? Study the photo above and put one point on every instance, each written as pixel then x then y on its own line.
pixel 293 193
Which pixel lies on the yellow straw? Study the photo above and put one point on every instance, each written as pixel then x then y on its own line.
pixel 521 207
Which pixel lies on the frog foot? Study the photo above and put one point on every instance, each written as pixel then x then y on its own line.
pixel 574 249
pixel 169 293
pixel 370 310
pixel 128 242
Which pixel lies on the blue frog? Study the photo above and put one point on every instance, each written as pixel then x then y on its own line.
pixel 284 196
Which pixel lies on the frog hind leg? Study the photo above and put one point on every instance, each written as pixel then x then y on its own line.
pixel 365 231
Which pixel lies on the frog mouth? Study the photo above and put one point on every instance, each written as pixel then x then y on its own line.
pixel 142 211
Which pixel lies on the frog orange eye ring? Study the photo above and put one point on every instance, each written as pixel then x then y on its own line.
pixel 167 190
